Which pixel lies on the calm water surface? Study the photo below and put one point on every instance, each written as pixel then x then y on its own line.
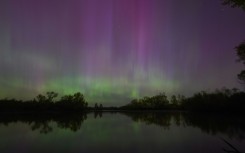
pixel 121 132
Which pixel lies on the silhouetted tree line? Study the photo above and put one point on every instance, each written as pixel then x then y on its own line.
pixel 42 103
pixel 159 101
pixel 225 100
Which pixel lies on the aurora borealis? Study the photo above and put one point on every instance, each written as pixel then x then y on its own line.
pixel 116 50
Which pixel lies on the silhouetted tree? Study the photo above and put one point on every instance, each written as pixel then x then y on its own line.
pixel 101 107
pixel 234 90
pixel 240 49
pixel 241 55
pixel 241 52
pixel 51 95
pixel 235 3
pixel 241 76
pixel 96 106
pixel 174 100
pixel 41 98
pixel 67 98
pixel 78 97
pixel 73 102
pixel 159 101
pixel 180 99
pixel 49 98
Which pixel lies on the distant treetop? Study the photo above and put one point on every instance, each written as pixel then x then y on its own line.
pixel 235 3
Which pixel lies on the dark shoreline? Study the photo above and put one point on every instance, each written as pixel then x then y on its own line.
pixel 50 112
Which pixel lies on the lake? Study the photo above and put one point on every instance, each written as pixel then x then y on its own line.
pixel 133 132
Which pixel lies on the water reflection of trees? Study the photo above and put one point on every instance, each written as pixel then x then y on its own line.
pixel 230 125
pixel 97 114
pixel 161 119
pixel 44 123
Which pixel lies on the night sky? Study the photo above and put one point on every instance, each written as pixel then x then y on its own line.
pixel 116 50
